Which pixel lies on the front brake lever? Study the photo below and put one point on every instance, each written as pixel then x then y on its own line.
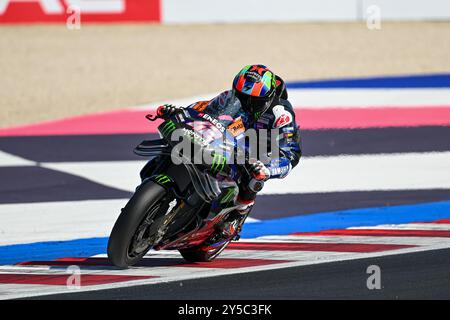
pixel 160 115
pixel 151 117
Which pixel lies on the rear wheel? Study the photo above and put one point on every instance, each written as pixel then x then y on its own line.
pixel 213 247
pixel 135 231
pixel 203 253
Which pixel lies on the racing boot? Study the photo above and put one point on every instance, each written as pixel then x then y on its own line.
pixel 232 226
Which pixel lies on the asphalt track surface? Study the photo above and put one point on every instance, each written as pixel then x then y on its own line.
pixel 374 178
pixel 423 275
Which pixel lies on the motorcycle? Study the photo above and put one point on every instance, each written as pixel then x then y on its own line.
pixel 186 206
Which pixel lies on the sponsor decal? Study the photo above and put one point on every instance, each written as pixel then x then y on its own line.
pixel 166 128
pixel 228 195
pixel 162 178
pixel 237 127
pixel 279 171
pixel 196 137
pixel 218 163
pixel 282 116
pixel 207 130
pixel 214 121
pixel 283 120
pixel 200 106
pixel 36 11
pixel 287 130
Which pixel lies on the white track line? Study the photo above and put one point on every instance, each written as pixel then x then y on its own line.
pixel 123 175
pixel 409 226
pixel 366 173
pixel 9 160
pixel 51 221
pixel 347 98
pixel 174 273
pixel 422 241
pixel 404 171
pixel 57 221
pixel 21 291
pixel 282 254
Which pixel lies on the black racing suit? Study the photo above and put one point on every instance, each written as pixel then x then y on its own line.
pixel 279 116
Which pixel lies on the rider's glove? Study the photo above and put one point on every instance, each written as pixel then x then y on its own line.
pixel 259 171
pixel 167 110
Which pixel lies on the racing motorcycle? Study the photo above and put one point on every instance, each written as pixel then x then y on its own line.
pixel 186 206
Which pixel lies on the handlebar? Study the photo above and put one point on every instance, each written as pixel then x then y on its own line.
pixel 159 114
pixel 151 117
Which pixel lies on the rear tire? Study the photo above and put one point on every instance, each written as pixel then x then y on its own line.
pixel 198 254
pixel 146 198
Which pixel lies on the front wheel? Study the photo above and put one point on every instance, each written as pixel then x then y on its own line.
pixel 135 231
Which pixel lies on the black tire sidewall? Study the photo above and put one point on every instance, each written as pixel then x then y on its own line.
pixel 146 196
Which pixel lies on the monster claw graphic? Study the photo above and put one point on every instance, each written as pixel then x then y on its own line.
pixel 167 128
pixel 162 178
pixel 228 196
pixel 218 163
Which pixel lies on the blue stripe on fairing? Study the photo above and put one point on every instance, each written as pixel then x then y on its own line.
pixel 412 81
pixel 315 222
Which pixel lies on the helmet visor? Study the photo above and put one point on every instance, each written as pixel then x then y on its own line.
pixel 254 104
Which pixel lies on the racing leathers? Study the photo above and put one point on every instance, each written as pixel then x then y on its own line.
pixel 279 116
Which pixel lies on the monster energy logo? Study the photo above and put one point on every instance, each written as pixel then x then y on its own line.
pixel 218 163
pixel 228 196
pixel 168 128
pixel 162 178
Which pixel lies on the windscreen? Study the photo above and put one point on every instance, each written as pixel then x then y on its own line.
pixel 225 108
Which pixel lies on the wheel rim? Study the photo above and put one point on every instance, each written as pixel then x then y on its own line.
pixel 143 239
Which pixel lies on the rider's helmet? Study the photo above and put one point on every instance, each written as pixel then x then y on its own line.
pixel 255 87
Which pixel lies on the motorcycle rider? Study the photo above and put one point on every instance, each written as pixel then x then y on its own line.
pixel 264 100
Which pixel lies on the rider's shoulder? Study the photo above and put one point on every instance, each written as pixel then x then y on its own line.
pixel 282 113
pixel 281 90
pixel 286 104
pixel 280 104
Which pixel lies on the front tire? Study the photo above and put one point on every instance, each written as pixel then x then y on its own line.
pixel 139 213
